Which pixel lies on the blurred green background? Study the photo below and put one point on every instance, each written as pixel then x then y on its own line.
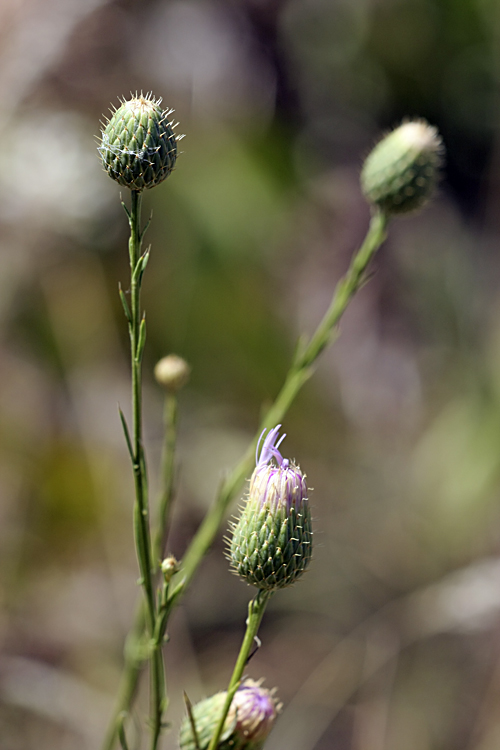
pixel 392 641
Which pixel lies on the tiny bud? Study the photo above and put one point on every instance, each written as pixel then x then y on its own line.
pixel 172 372
pixel 400 174
pixel 271 543
pixel 249 721
pixel 138 145
pixel 169 566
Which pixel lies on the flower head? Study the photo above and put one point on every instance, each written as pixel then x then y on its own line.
pixel 138 145
pixel 249 721
pixel 271 543
pixel 400 174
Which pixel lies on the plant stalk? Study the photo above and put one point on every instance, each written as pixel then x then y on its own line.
pixel 256 610
pixel 300 372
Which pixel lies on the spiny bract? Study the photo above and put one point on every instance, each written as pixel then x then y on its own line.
pixel 271 543
pixel 138 145
pixel 249 721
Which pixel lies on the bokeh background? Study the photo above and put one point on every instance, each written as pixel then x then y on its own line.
pixel 392 640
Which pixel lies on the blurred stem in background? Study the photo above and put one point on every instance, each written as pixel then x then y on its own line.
pixel 300 371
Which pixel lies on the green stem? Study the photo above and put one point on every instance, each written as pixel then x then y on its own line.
pixel 129 680
pixel 137 328
pixel 256 610
pixel 300 371
pixel 141 509
pixel 134 656
pixel 168 476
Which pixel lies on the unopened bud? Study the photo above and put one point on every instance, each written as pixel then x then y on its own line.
pixel 138 144
pixel 169 566
pixel 172 372
pixel 271 543
pixel 249 721
pixel 400 174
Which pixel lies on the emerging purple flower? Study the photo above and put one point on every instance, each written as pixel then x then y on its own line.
pixel 271 543
pixel 279 484
pixel 251 717
pixel 269 449
pixel 256 709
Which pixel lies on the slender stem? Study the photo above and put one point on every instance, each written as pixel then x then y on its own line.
pixel 134 656
pixel 256 610
pixel 168 476
pixel 141 508
pixel 129 679
pixel 300 371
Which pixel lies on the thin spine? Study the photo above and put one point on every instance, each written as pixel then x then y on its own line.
pixel 256 610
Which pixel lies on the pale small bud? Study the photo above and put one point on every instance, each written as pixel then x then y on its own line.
pixel 169 566
pixel 400 174
pixel 172 372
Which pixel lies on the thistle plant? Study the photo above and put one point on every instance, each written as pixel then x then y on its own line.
pixel 271 542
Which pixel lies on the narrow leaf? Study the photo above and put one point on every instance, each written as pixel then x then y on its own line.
pixel 142 339
pixel 125 306
pixel 127 434
pixel 146 227
pixel 121 731
pixel 189 708
pixel 126 211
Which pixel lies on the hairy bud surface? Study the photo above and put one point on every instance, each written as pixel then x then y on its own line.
pixel 138 145
pixel 271 543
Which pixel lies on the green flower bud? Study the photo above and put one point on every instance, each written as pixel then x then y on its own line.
pixel 248 723
pixel 400 174
pixel 172 372
pixel 271 543
pixel 138 146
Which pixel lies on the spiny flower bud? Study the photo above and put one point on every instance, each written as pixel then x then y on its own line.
pixel 400 173
pixel 172 372
pixel 138 145
pixel 249 721
pixel 271 543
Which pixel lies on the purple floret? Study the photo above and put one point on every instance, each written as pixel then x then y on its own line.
pixel 270 450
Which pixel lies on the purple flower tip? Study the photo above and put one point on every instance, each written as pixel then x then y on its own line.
pixel 270 447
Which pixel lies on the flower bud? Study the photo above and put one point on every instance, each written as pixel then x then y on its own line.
pixel 400 174
pixel 168 567
pixel 249 721
pixel 138 146
pixel 271 543
pixel 172 372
